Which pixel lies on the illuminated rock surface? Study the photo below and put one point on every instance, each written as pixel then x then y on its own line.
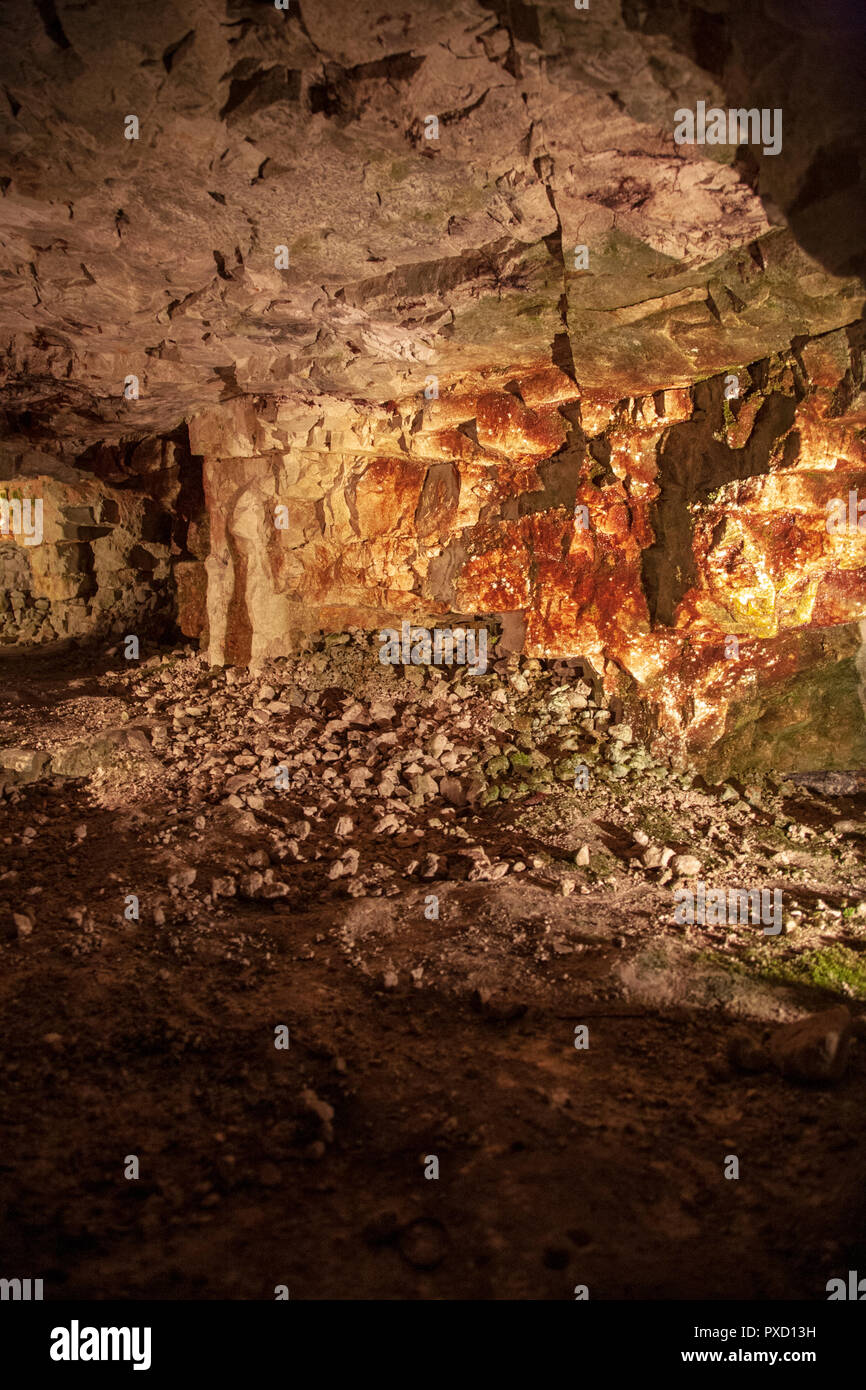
pixel 631 462
pixel 585 924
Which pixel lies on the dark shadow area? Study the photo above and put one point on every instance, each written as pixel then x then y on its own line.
pixel 809 61
pixel 693 461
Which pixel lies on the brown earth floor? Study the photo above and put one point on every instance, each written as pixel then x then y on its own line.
pixel 558 1167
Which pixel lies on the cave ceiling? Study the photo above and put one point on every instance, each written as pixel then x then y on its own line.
pixel 306 129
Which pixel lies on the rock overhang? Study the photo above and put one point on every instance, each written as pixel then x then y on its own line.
pixel 437 385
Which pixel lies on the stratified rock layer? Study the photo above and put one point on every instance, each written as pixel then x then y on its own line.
pixel 283 362
pixel 680 541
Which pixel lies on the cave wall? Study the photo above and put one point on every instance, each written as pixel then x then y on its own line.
pixel 113 524
pixel 643 534
pixel 487 373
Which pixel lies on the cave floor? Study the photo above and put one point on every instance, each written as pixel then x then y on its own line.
pixel 411 1035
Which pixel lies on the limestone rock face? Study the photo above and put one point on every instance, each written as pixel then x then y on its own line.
pixel 682 546
pixel 400 316
pixel 95 550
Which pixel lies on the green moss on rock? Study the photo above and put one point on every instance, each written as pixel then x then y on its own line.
pixel 814 720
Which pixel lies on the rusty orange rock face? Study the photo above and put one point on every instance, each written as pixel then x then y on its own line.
pixel 643 534
pixel 386 497
pixel 506 426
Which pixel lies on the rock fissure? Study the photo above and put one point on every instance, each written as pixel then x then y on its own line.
pixel 447 412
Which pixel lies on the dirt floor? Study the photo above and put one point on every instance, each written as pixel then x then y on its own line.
pixel 431 907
